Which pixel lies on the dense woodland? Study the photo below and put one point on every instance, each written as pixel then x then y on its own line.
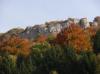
pixel 73 51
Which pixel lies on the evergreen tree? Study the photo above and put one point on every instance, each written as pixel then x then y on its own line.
pixel 97 42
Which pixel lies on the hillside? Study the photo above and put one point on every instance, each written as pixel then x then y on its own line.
pixel 70 46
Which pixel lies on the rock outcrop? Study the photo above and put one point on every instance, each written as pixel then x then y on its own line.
pixel 49 28
pixel 97 19
pixel 14 31
pixel 84 23
pixel 53 27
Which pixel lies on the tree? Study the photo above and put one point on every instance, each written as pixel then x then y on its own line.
pixel 65 60
pixel 41 39
pixel 91 31
pixel 97 42
pixel 15 45
pixel 37 57
pixel 24 65
pixel 75 37
pixel 7 66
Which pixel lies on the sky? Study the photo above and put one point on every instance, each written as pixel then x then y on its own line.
pixel 23 13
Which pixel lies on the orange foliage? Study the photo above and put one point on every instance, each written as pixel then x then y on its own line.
pixel 74 36
pixel 15 45
pixel 41 39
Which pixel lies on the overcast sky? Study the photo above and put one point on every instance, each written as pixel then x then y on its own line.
pixel 22 13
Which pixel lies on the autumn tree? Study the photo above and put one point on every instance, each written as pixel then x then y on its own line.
pixel 91 31
pixel 41 39
pixel 15 45
pixel 75 37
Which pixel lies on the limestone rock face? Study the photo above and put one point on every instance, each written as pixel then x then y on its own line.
pixel 84 23
pixel 97 19
pixel 53 27
pixel 50 28
pixel 95 24
pixel 45 29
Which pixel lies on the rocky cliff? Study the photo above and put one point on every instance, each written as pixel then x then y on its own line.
pixel 52 27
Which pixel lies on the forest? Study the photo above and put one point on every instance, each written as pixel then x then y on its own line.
pixel 73 51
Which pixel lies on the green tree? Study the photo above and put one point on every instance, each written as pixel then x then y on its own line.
pixel 7 66
pixel 37 57
pixel 24 65
pixel 97 42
